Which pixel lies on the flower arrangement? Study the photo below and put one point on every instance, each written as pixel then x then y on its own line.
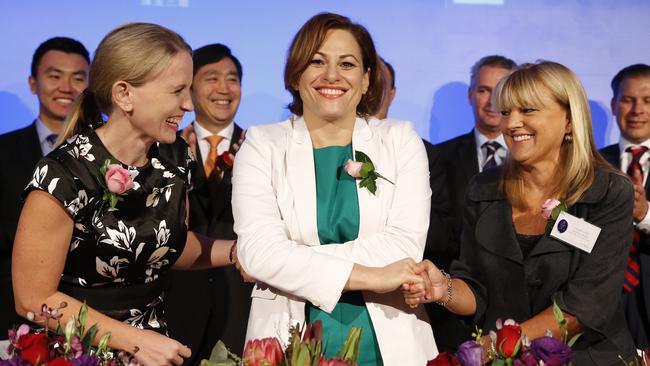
pixel 363 168
pixel 511 347
pixel 305 349
pixel 68 346
pixel 115 181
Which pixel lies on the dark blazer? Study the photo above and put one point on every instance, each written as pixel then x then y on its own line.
pixel 458 164
pixel 205 306
pixel 506 285
pixel 635 302
pixel 20 150
pixel 451 165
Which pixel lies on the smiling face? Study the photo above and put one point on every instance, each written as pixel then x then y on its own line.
pixel 335 79
pixel 216 93
pixel 534 134
pixel 60 78
pixel 158 106
pixel 631 108
pixel 486 119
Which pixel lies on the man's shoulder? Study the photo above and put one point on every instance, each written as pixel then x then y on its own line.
pixel 18 135
pixel 453 144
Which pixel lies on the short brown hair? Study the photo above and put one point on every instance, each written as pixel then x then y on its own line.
pixel 307 42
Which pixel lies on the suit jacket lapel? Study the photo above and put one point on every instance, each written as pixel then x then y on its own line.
pixel 223 192
pixel 301 176
pixel 467 156
pixel 497 232
pixel 364 140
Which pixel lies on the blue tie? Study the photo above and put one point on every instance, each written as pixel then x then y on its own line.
pixel 491 148
pixel 51 139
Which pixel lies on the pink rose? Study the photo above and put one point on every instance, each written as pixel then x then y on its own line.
pixel 118 179
pixel 353 168
pixel 548 206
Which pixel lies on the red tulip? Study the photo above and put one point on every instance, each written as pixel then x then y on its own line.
pixel 59 362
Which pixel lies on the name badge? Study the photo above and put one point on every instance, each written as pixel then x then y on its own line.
pixel 575 231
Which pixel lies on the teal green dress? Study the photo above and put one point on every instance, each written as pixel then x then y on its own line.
pixel 338 222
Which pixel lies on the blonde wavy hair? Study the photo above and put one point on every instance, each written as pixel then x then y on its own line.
pixel 579 157
pixel 133 52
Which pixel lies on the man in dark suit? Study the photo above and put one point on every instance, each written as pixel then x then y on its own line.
pixel 59 74
pixel 205 306
pixel 631 107
pixel 452 164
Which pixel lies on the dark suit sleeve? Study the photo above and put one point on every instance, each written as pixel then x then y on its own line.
pixel 465 267
pixel 439 247
pixel 594 290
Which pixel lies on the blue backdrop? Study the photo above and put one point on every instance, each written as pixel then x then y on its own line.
pixel 431 44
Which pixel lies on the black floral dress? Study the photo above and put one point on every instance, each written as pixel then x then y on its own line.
pixel 116 255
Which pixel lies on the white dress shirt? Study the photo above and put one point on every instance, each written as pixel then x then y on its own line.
pixel 204 145
pixel 43 132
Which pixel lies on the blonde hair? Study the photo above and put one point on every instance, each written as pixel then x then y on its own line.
pixel 579 157
pixel 133 52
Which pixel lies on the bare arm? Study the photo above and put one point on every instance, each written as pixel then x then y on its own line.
pixel 39 255
pixel 202 252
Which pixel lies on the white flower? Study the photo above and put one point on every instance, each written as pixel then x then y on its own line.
pixel 121 238
pixel 162 233
pixel 111 269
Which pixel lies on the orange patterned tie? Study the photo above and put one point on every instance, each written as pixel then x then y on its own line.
pixel 211 162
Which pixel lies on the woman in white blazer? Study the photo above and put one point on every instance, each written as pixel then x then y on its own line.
pixel 288 202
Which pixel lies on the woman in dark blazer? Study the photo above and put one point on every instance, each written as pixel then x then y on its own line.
pixel 510 266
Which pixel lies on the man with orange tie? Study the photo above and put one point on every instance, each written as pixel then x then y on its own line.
pixel 205 306
pixel 631 107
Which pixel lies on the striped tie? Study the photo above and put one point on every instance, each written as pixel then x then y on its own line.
pixel 632 273
pixel 491 148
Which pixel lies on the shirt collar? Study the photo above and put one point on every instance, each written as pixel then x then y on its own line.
pixel 42 130
pixel 202 133
pixel 623 144
pixel 481 139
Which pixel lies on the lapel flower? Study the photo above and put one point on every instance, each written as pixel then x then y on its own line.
pixel 551 209
pixel 226 160
pixel 363 168
pixel 115 181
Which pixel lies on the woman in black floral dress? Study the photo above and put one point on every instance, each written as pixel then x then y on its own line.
pixel 82 237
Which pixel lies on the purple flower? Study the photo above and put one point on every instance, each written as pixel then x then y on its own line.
pixel 552 351
pixel 86 360
pixel 526 359
pixel 16 361
pixel 470 353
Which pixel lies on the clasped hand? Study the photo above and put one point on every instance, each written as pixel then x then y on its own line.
pixel 431 287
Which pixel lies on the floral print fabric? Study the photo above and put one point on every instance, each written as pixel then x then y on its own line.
pixel 129 244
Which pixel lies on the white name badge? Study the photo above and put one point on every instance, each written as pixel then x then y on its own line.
pixel 575 231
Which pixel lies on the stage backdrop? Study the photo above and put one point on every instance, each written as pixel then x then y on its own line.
pixel 431 44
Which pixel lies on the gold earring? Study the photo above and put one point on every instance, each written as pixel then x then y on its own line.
pixel 568 138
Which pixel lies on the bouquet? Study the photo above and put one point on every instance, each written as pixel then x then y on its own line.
pixel 305 349
pixel 511 347
pixel 67 346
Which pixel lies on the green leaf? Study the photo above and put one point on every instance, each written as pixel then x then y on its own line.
pixel 557 312
pixel 219 352
pixel 573 340
pixel 557 209
pixel 362 157
pixel 498 362
pixel 83 316
pixel 366 169
pixel 350 349
pixel 87 339
pixel 102 345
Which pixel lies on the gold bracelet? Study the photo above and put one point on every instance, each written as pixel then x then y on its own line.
pixel 448 299
pixel 232 251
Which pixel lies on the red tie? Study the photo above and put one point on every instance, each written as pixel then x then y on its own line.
pixel 632 273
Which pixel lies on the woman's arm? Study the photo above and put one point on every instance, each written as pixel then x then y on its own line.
pixel 40 249
pixel 202 252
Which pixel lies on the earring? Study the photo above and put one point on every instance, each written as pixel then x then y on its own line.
pixel 568 138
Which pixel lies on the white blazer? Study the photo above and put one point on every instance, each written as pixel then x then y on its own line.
pixel 274 206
